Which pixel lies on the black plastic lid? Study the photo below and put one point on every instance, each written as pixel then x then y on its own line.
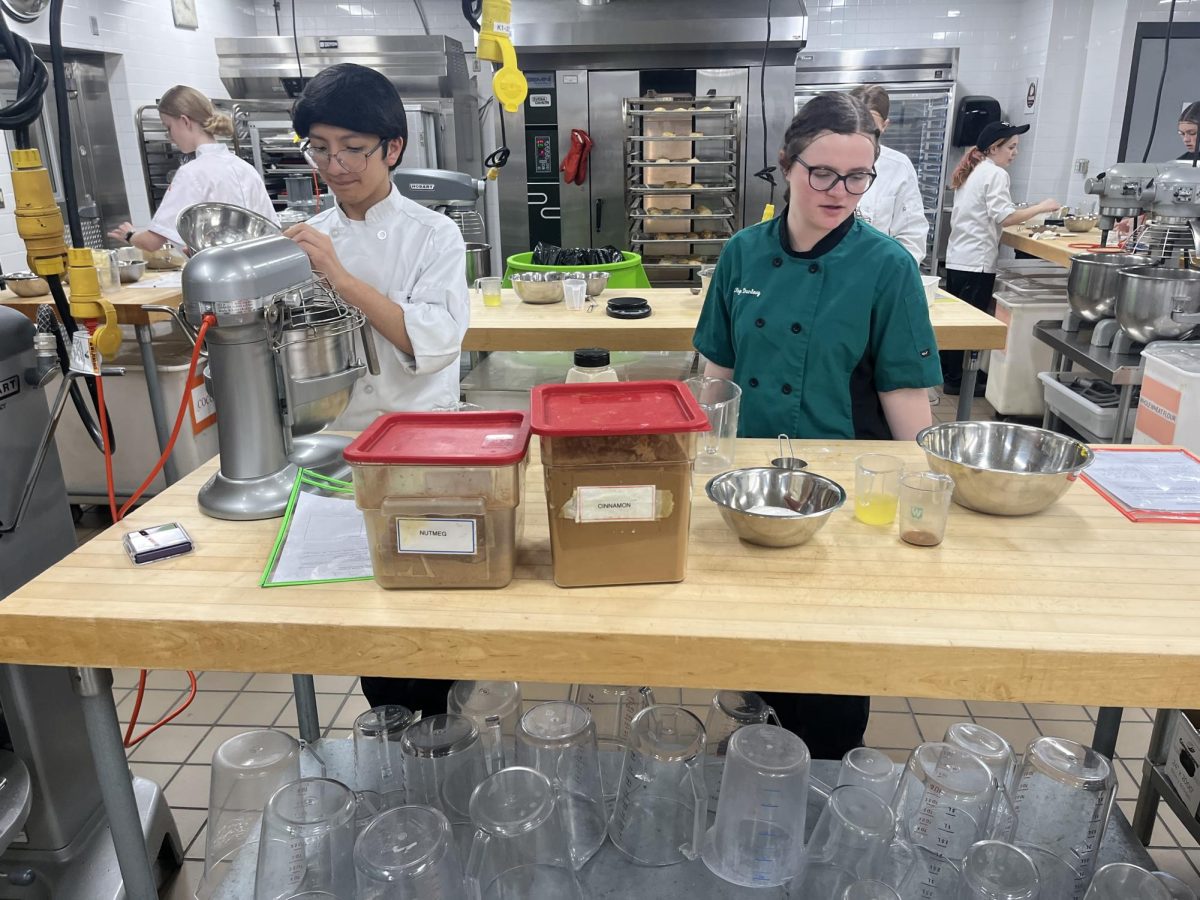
pixel 628 308
pixel 591 358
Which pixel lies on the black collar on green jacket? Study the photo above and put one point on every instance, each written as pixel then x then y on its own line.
pixel 823 246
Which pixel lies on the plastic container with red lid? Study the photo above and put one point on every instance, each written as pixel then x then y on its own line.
pixel 441 494
pixel 618 469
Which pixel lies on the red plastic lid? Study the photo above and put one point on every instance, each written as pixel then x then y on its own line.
pixel 443 439
pixel 604 408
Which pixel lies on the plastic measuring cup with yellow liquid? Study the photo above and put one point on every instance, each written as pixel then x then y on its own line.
pixel 877 488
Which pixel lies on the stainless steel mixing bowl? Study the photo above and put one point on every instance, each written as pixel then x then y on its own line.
pixel 1092 284
pixel 538 287
pixel 205 225
pixel 1157 303
pixel 809 498
pixel 1001 468
pixel 596 281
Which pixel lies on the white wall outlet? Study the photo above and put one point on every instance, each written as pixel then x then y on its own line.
pixel 1081 166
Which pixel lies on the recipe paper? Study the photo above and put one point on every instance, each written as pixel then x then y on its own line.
pixel 1148 481
pixel 322 538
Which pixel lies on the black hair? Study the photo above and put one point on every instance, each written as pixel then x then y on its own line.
pixel 827 113
pixel 353 97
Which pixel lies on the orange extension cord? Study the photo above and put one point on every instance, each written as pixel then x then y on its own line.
pixel 118 515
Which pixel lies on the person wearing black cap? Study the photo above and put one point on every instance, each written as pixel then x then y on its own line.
pixel 983 207
pixel 403 265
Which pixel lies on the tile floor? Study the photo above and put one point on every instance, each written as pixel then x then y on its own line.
pixel 178 755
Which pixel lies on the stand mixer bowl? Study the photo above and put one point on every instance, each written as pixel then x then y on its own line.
pixel 1156 303
pixel 316 351
pixel 1092 284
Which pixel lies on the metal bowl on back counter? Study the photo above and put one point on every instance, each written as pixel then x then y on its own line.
pixel 1001 468
pixel 775 507
pixel 1092 284
pixel 596 281
pixel 538 287
pixel 1155 303
pixel 26 284
pixel 204 225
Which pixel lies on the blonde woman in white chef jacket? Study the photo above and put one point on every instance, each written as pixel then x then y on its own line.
pixel 983 208
pixel 893 204
pixel 215 175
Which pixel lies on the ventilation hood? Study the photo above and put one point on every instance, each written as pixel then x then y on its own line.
pixel 665 34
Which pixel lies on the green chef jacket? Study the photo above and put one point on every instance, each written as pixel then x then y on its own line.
pixel 813 337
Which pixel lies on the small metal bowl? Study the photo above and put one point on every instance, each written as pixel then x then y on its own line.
pixel 538 287
pixel 131 271
pixel 596 281
pixel 1080 224
pixel 26 284
pixel 1001 468
pixel 810 499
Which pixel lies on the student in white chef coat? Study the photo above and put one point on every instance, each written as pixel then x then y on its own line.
pixel 215 175
pixel 893 204
pixel 983 208
pixel 403 265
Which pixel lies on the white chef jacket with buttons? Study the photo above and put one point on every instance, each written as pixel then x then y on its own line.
pixel 977 220
pixel 417 258
pixel 893 203
pixel 216 175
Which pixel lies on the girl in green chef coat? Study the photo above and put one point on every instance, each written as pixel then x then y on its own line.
pixel 822 322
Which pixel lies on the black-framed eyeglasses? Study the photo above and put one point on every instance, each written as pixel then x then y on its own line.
pixel 352 159
pixel 822 178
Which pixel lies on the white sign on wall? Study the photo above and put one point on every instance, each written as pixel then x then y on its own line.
pixel 1032 96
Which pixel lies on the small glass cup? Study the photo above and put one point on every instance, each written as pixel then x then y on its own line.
pixel 378 761
pixel 443 763
pixel 490 289
pixel 408 853
pixel 721 401
pixel 574 292
pixel 876 488
pixel 924 507
pixel 706 274
pixel 307 841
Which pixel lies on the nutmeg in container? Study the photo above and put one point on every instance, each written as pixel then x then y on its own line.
pixel 441 495
pixel 617 460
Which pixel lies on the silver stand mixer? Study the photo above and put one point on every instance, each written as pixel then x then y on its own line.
pixel 283 360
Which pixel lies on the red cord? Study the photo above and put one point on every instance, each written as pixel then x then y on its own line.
pixel 118 515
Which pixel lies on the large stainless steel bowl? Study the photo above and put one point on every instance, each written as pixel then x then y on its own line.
pixel 596 281
pixel 26 284
pixel 205 225
pixel 1156 303
pixel 1001 468
pixel 1092 284
pixel 315 351
pixel 538 287
pixel 809 500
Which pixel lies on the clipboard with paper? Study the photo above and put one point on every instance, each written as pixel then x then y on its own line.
pixel 322 538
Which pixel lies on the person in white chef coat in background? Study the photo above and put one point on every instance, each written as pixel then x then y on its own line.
pixel 983 208
pixel 403 265
pixel 216 174
pixel 893 204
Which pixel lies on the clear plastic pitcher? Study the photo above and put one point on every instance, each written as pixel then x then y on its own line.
pixel 1061 781
pixel 758 837
pixel 307 842
pixel 408 853
pixel 995 753
pixel 1125 881
pixel 378 761
pixel 495 708
pixel 246 770
pixel 661 808
pixel 520 847
pixel 558 739
pixel 729 711
pixel 944 801
pixel 721 401
pixel 612 707
pixel 994 870
pixel 869 890
pixel 443 764
pixel 852 836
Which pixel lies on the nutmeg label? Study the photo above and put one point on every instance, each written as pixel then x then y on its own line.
pixel 633 503
pixel 450 536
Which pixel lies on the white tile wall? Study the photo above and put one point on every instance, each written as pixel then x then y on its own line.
pixel 148 55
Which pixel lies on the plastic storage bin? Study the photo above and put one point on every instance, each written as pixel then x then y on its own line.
pixel 1086 417
pixel 1169 409
pixel 1012 387
pixel 441 496
pixel 618 469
